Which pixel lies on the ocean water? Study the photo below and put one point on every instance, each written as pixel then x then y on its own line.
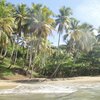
pixel 52 92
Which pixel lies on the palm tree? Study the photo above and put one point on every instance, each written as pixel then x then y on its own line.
pixel 82 35
pixel 63 21
pixel 6 24
pixel 88 38
pixel 6 19
pixel 74 28
pixel 39 26
pixel 21 17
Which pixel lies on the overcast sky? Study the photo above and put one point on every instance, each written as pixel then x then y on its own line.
pixel 84 10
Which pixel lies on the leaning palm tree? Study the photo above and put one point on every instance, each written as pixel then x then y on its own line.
pixel 63 21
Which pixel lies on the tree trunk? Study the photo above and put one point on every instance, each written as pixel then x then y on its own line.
pixel 30 63
pixel 55 71
pixel 1 51
pixel 19 28
pixel 11 59
pixel 23 58
pixel 4 55
pixel 13 56
pixel 59 40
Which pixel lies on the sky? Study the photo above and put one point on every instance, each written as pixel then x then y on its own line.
pixel 84 10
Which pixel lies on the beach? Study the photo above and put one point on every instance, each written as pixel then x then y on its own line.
pixel 73 80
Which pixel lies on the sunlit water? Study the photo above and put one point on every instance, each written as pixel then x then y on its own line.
pixel 52 92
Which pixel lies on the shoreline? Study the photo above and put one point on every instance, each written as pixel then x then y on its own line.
pixel 73 80
pixel 42 85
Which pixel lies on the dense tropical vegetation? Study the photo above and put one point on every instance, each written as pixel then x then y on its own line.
pixel 25 48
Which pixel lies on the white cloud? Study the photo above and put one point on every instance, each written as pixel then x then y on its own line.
pixel 89 11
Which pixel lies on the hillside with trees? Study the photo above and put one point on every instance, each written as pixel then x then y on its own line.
pixel 25 48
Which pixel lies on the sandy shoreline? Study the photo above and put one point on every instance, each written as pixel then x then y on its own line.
pixel 79 80
pixel 42 85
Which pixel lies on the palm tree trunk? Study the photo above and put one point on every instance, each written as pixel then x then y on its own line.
pixel 23 58
pixel 11 62
pixel 19 28
pixel 54 73
pixel 12 56
pixel 15 57
pixel 27 61
pixel 30 63
pixel 1 51
pixel 4 55
pixel 35 54
pixel 59 40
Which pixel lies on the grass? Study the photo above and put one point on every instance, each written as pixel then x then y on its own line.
pixel 4 71
pixel 17 69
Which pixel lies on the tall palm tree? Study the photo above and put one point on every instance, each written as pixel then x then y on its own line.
pixel 21 17
pixel 41 21
pixel 6 23
pixel 39 26
pixel 6 19
pixel 63 21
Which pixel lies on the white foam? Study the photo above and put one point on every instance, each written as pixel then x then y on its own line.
pixel 39 89
pixel 48 88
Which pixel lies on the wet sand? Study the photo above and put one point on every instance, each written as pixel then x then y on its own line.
pixel 73 80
